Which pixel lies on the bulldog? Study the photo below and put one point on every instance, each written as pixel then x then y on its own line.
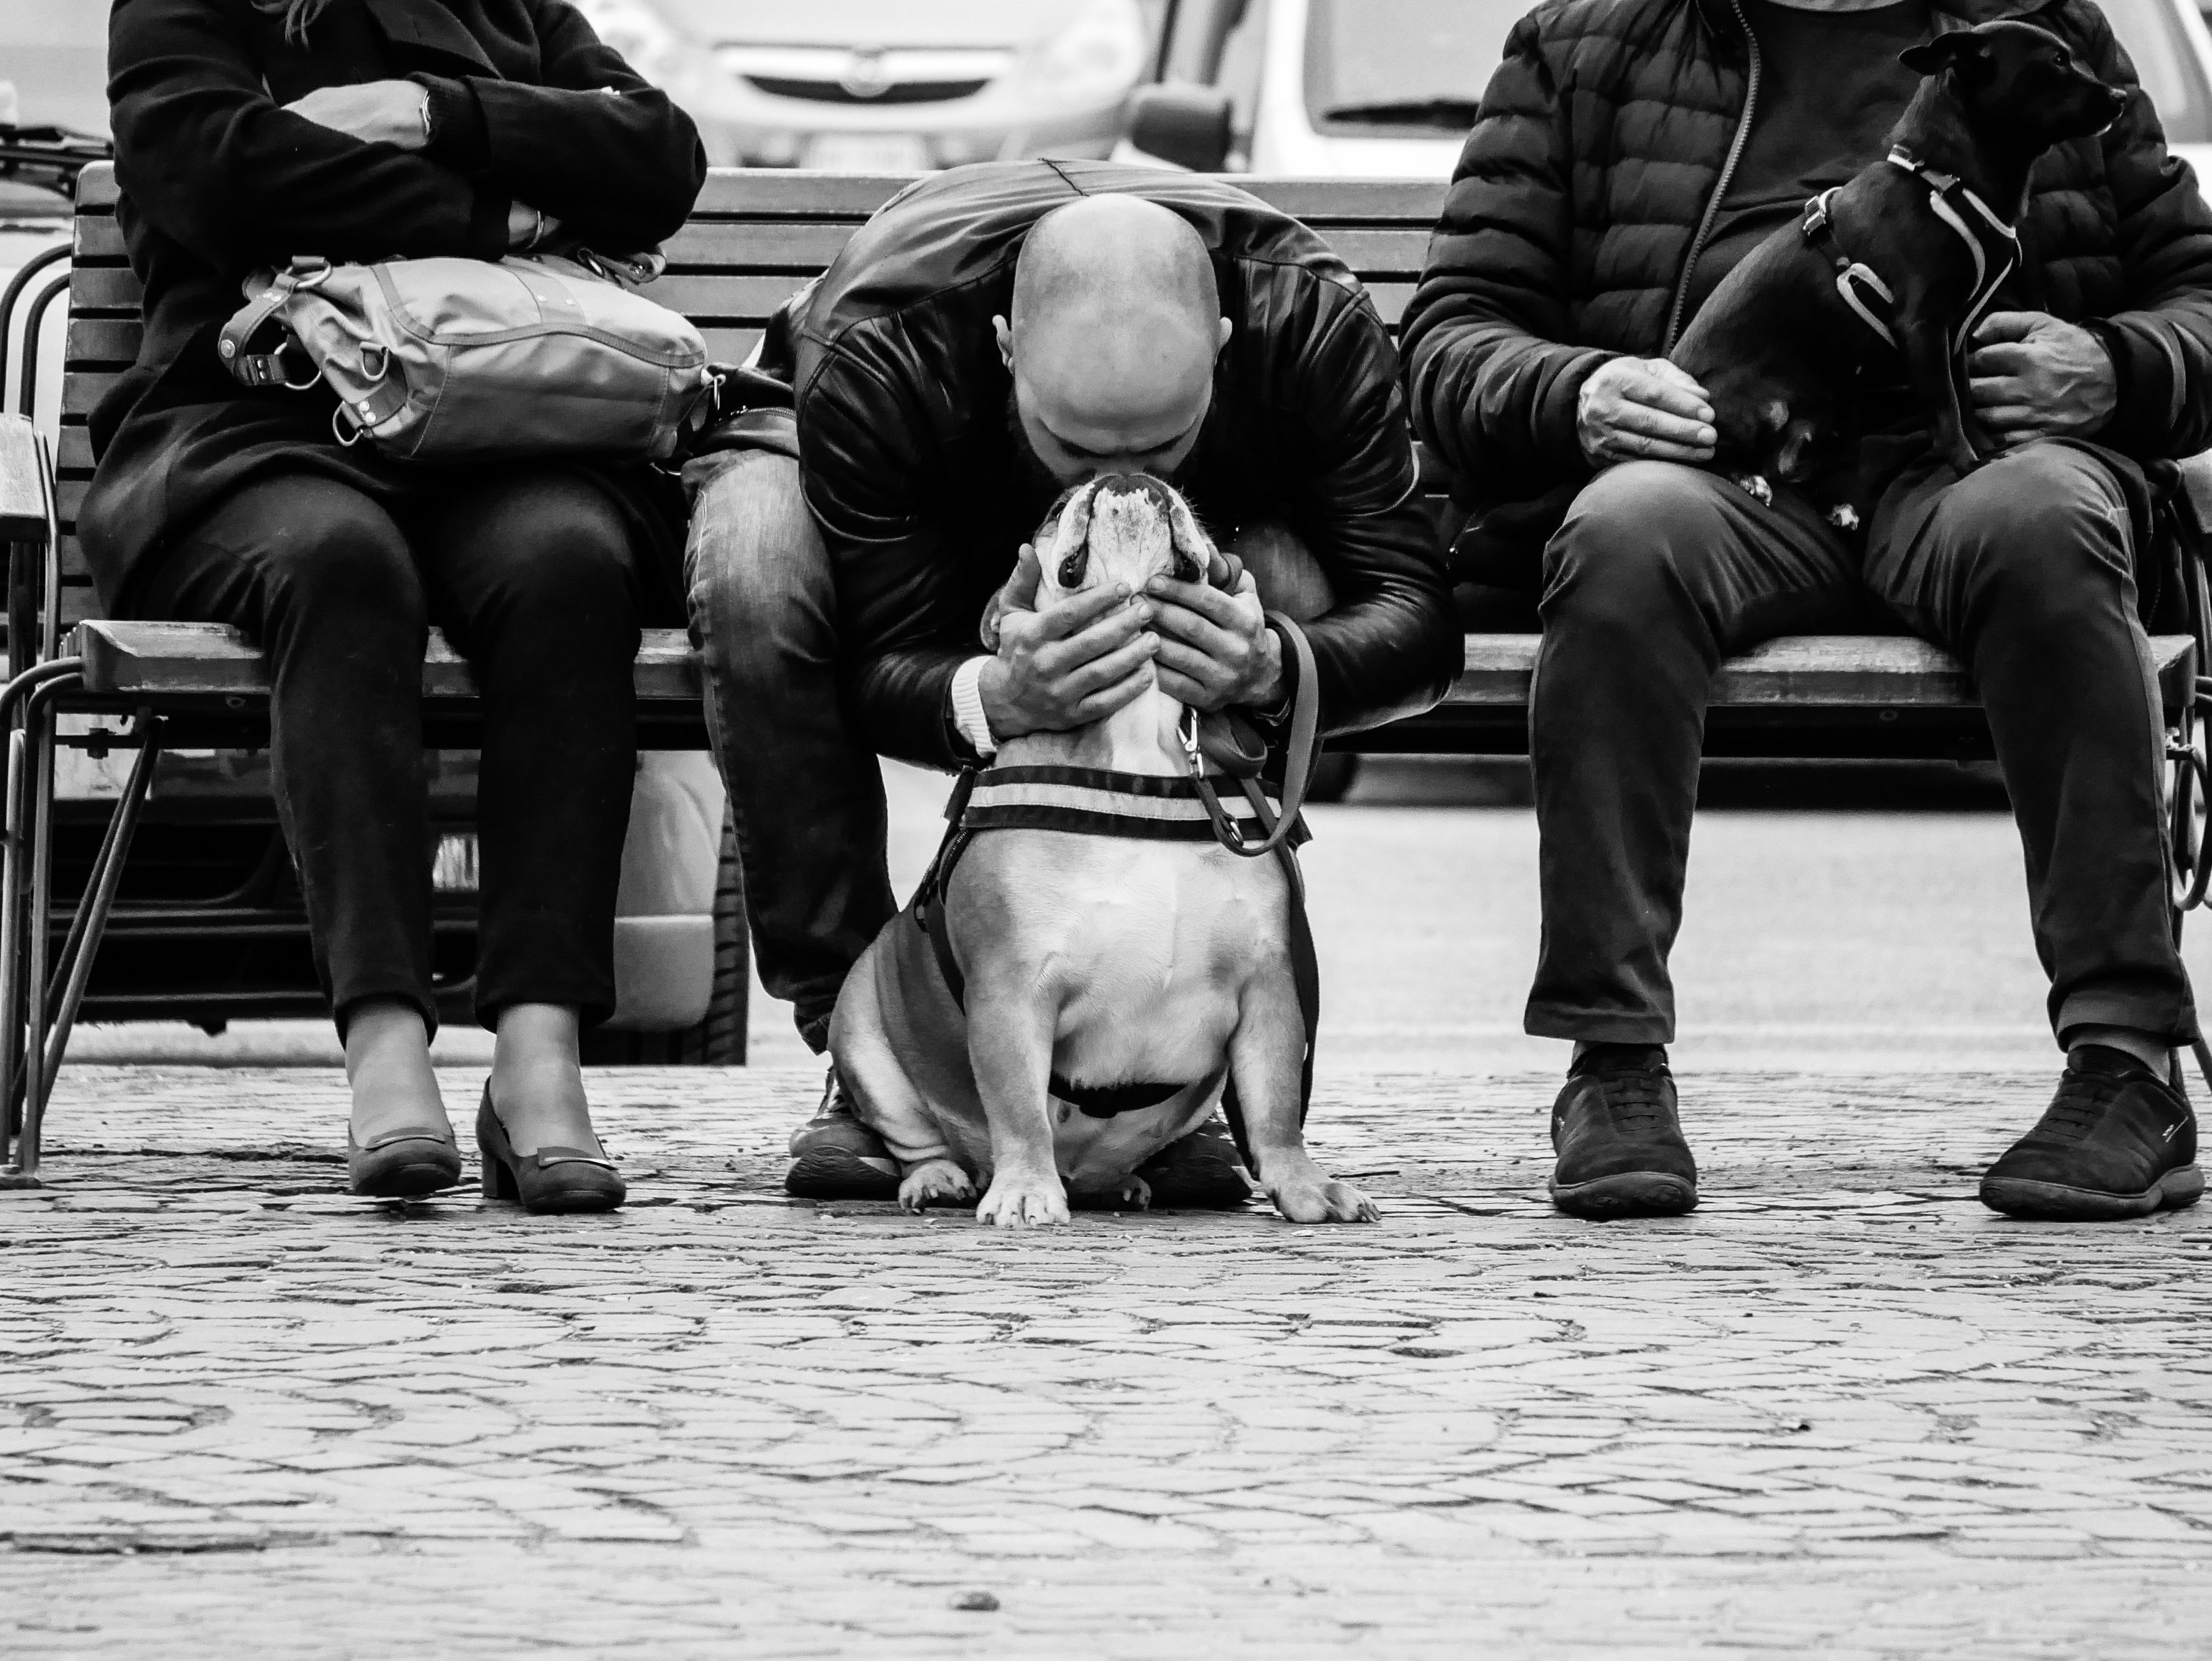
pixel 1087 997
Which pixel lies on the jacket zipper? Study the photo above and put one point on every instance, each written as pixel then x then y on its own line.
pixel 1727 172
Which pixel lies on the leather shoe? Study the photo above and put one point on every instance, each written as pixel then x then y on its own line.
pixel 1618 1139
pixel 835 1156
pixel 2117 1140
pixel 551 1179
pixel 403 1164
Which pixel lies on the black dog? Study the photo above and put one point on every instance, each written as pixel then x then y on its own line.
pixel 1903 258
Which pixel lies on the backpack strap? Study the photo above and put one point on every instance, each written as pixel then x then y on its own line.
pixel 276 366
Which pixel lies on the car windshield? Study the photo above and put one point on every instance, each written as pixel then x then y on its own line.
pixel 1412 65
pixel 1421 65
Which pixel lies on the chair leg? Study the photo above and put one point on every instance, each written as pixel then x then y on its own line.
pixel 38 724
pixel 12 875
pixel 90 924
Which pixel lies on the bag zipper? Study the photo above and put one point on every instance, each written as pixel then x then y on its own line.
pixel 1720 189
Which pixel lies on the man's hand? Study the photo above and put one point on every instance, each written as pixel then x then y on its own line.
pixel 375 112
pixel 1068 667
pixel 1644 409
pixel 2033 377
pixel 1216 648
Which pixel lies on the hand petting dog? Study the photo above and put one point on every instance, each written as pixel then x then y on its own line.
pixel 2032 377
pixel 1644 409
pixel 1207 643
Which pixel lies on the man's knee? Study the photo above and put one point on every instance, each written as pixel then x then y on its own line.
pixel 1284 570
pixel 1635 545
pixel 755 557
pixel 2044 526
pixel 563 549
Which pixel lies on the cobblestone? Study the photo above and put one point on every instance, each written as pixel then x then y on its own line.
pixel 1840 1409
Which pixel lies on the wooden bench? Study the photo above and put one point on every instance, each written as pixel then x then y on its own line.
pixel 755 237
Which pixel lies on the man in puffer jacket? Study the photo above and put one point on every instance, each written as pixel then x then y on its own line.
pixel 1628 152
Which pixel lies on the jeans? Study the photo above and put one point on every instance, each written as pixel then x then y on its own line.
pixel 806 792
pixel 530 572
pixel 2023 569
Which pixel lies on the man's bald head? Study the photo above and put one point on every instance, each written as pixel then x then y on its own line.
pixel 1116 323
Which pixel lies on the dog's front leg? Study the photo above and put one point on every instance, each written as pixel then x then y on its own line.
pixel 1009 1032
pixel 1925 345
pixel 1264 1056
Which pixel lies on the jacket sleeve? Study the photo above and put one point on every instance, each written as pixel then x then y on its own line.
pixel 904 627
pixel 2161 344
pixel 594 144
pixel 1493 386
pixel 216 165
pixel 1389 644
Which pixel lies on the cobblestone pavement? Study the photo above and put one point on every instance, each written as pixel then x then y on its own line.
pixel 1841 1410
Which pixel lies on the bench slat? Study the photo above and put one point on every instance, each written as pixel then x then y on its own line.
pixel 1828 671
pixel 188 660
pixel 22 501
pixel 767 190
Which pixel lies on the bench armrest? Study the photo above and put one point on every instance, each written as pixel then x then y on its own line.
pixel 22 483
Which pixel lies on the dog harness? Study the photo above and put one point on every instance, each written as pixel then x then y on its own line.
pixel 1993 244
pixel 1094 802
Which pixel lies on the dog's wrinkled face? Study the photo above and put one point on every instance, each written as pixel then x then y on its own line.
pixel 2020 82
pixel 1121 528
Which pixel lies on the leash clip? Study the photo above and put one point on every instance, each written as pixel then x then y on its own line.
pixel 1187 730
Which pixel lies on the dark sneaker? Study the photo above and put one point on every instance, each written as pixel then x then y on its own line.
pixel 1620 1147
pixel 2118 1141
pixel 835 1156
pixel 1198 1172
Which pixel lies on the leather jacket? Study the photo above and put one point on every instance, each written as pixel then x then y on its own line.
pixel 905 442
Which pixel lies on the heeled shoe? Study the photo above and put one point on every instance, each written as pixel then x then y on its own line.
pixel 403 1164
pixel 551 1180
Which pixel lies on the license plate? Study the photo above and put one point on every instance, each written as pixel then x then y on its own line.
pixel 867 153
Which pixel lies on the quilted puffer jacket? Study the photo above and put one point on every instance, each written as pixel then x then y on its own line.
pixel 1586 188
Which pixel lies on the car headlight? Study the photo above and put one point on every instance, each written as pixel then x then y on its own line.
pixel 1095 58
pixel 639 33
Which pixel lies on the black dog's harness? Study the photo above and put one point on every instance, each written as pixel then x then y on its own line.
pixel 1994 246
pixel 1188 808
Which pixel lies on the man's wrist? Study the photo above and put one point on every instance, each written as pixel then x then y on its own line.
pixel 1272 690
pixel 971 716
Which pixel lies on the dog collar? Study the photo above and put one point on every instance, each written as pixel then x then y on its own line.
pixel 1098 802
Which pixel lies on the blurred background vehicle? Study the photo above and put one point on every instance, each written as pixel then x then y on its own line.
pixel 1388 88
pixel 890 85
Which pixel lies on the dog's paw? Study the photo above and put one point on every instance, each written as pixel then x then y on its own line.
pixel 1754 486
pixel 1319 1198
pixel 1138 1192
pixel 1016 1201
pixel 935 1182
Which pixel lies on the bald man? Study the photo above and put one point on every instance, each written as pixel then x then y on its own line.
pixel 993 336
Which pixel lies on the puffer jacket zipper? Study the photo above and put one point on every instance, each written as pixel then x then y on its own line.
pixel 1727 172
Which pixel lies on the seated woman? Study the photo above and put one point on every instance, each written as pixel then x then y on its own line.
pixel 251 131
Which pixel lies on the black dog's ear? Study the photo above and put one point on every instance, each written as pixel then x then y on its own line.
pixel 1959 49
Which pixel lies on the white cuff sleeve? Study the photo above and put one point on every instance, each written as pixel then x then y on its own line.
pixel 968 707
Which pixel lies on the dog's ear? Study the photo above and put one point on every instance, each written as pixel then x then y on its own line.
pixel 1194 549
pixel 1071 543
pixel 1960 49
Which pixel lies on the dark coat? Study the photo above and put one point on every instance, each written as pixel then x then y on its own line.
pixel 1578 203
pixel 217 179
pixel 905 441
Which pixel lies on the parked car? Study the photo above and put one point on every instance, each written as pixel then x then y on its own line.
pixel 1388 88
pixel 887 86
